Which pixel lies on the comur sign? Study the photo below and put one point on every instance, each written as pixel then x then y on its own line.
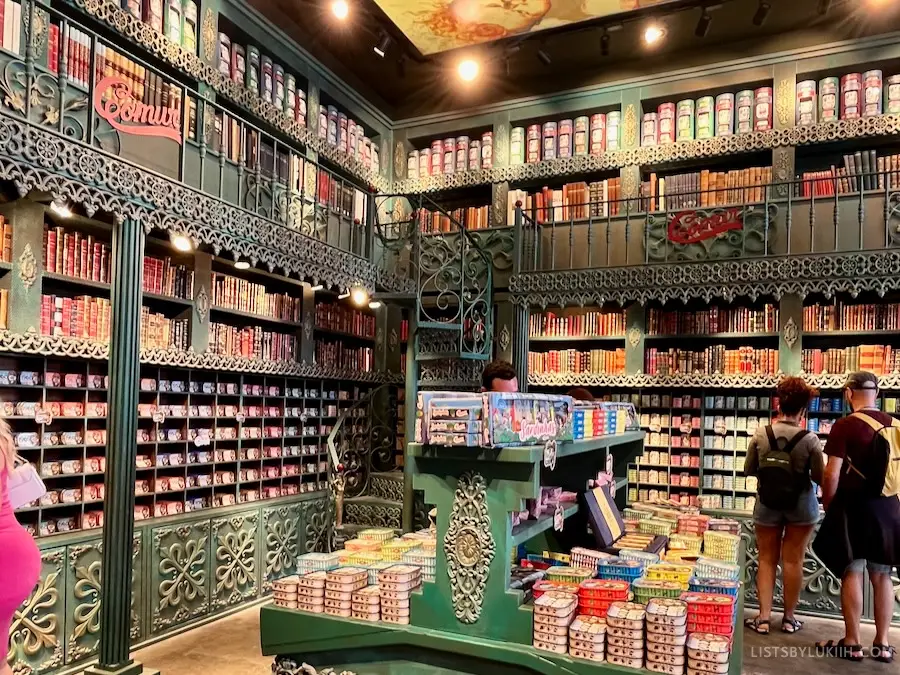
pixel 115 102
pixel 690 227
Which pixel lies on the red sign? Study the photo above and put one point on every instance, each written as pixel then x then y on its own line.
pixel 126 114
pixel 690 227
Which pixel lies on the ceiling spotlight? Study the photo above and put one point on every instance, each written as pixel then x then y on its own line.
pixel 344 295
pixel 242 265
pixel 382 46
pixel 762 13
pixel 61 209
pixel 653 34
pixel 703 24
pixel 544 57
pixel 317 287
pixel 340 9
pixel 375 304
pixel 181 242
pixel 824 6
pixel 467 69
pixel 604 43
pixel 359 296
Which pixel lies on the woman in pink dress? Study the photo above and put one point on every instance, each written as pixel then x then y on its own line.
pixel 20 560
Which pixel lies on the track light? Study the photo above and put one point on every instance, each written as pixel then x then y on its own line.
pixel 653 33
pixel 762 13
pixel 181 242
pixel 344 295
pixel 359 296
pixel 383 44
pixel 604 43
pixel 374 304
pixel 317 287
pixel 467 69
pixel 544 57
pixel 703 24
pixel 340 9
pixel 61 209
pixel 242 265
pixel 824 6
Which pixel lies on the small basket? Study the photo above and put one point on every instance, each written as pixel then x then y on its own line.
pixel 617 568
pixel 645 558
pixel 721 545
pixel 647 589
pixel 715 586
pixel 381 534
pixel 656 526
pixel 571 575
pixel 317 562
pixel 710 568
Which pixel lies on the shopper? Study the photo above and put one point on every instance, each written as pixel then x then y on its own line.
pixel 861 529
pixel 784 456
pixel 580 394
pixel 20 560
pixel 499 376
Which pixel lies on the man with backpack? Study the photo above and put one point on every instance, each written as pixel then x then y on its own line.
pixel 861 529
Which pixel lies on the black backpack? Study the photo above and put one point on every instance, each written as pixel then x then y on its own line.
pixel 779 485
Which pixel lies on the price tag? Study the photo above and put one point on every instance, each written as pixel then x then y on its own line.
pixel 558 518
pixel 685 428
pixel 303 418
pixel 42 416
pixel 159 417
pixel 240 418
pixel 550 454
pixel 202 440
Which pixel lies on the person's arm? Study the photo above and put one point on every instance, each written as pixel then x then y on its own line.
pixel 836 449
pixel 817 462
pixel 751 462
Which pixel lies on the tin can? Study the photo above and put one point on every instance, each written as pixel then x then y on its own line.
pixel 300 110
pixel 872 101
pixel 279 86
pixel 705 111
pixel 323 123
pixel 474 155
pixel 412 164
pixel 353 132
pixel 763 100
pixel 666 123
pixel 462 153
pixel 189 34
pixel 333 122
pixel 173 21
pixel 564 139
pixel 649 130
pixel 892 94
pixel 851 102
pixel 449 155
pixel 225 55
pixel 253 66
pixel 725 115
pixel 743 103
pixel 487 150
pixel 375 163
pixel 580 136
pixel 533 147
pixel 366 152
pixel 685 118
pixel 424 162
pixel 517 141
pixel 342 133
pixel 548 140
pixel 437 157
pixel 598 134
pixel 268 86
pixel 613 122
pixel 806 103
pixel 290 96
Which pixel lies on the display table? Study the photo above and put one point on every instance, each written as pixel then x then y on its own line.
pixel 468 619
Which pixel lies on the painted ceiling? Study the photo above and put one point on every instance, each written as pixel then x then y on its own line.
pixel 440 25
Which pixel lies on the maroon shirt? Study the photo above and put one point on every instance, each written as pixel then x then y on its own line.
pixel 851 436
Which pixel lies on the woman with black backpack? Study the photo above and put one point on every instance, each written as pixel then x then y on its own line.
pixel 787 459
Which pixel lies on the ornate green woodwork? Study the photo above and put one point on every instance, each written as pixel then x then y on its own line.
pixel 235 576
pixel 281 536
pixel 180 578
pixel 37 634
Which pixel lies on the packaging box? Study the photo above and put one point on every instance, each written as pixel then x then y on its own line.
pixel 526 419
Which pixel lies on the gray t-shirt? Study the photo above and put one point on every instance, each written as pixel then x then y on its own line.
pixel 807 457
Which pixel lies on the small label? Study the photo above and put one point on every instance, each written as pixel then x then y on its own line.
pixel 43 416
pixel 240 418
pixel 558 518
pixel 550 454
pixel 202 440
pixel 159 417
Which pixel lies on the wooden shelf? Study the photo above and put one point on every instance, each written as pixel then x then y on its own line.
pixel 215 309
pixel 531 528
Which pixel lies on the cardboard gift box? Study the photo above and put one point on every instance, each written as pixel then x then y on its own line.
pixel 609 528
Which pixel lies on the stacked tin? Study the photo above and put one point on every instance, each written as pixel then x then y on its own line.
pixel 311 592
pixel 340 585
pixel 424 558
pixel 625 634
pixel 365 604
pixel 721 546
pixel 379 534
pixel 666 635
pixel 710 613
pixel 666 123
pixel 685 120
pixel 395 584
pixel 553 612
pixel 314 562
pixel 284 592
pixel 586 557
pixel 596 595
pixel 587 638
pixel 707 653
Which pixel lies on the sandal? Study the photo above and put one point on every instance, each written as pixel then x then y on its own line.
pixel 791 625
pixel 758 625
pixel 837 649
pixel 883 653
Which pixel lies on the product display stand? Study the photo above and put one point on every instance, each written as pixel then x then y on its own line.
pixel 468 616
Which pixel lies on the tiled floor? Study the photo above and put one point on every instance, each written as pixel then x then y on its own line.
pixel 230 646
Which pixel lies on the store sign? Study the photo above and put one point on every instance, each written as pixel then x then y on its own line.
pixel 691 227
pixel 126 114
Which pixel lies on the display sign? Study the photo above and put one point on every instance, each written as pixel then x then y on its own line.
pixel 690 227
pixel 127 114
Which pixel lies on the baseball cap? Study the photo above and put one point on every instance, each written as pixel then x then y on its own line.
pixel 861 379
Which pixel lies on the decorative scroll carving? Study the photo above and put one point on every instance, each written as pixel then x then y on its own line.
pixel 504 338
pixel 201 304
pixel 469 547
pixel 280 542
pixel 784 102
pixel 630 127
pixel 790 333
pixel 318 517
pixel 285 665
pixel 634 336
pixel 208 35
pixel 27 266
pixel 35 633
pixel 235 574
pixel 182 592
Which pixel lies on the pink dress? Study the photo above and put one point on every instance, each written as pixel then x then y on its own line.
pixel 20 563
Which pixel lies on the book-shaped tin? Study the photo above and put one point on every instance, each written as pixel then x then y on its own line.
pixel 609 528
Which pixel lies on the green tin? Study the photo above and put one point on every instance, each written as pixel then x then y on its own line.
pixel 706 108
pixel 253 68
pixel 685 120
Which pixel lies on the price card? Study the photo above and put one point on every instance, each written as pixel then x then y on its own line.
pixel 42 416
pixel 685 428
pixel 202 440
pixel 550 454
pixel 558 518
pixel 240 418
pixel 159 417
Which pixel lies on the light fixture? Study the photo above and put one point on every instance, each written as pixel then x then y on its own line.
pixel 604 43
pixel 359 296
pixel 317 287
pixel 242 265
pixel 653 33
pixel 181 242
pixel 824 6
pixel 467 69
pixel 544 57
pixel 375 304
pixel 61 209
pixel 344 295
pixel 383 44
pixel 340 9
pixel 762 13
pixel 703 24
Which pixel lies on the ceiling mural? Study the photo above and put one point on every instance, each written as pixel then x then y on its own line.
pixel 440 25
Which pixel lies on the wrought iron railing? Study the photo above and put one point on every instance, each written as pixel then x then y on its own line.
pixel 762 221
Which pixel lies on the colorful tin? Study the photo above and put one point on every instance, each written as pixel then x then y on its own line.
pixel 487 150
pixel 323 122
pixel 300 109
pixel 705 112
pixel 873 90
pixel 437 158
pixel 342 140
pixel 252 78
pixel 474 155
pixel 725 115
pixel 225 55
pixel 806 103
pixel 851 99
pixel 685 118
pixel 278 98
pixel 580 136
pixel 564 139
pixel 333 123
pixel 598 134
pixel 412 164
pixel 517 142
pixel 548 140
pixel 449 155
pixel 828 99
pixel 189 34
pixel 533 146
pixel 613 122
pixel 649 130
pixel 744 116
pixel 353 133
pixel 173 22
pixel 424 162
pixel 762 108
pixel 268 84
pixel 666 123
pixel 892 95
pixel 290 96
pixel 462 153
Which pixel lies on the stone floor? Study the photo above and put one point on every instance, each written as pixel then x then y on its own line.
pixel 230 646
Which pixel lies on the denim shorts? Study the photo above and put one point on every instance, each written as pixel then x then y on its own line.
pixel 806 512
pixel 874 568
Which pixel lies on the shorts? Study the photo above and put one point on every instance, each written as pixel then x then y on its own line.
pixel 874 568
pixel 806 512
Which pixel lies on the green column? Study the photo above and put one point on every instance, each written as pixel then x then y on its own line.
pixel 118 528
pixel 635 329
pixel 411 394
pixel 790 341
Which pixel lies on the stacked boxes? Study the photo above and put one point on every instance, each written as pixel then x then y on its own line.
pixel 707 653
pixel 311 592
pixel 339 587
pixel 625 634
pixel 314 562
pixel 365 604
pixel 553 612
pixel 396 584
pixel 379 534
pixel 680 574
pixel 600 419
pixel 710 613
pixel 666 635
pixel 596 595
pixel 422 557
pixel 569 575
pixel 394 549
pixel 618 568
pixel 721 546
pixel 375 568
pixel 647 589
pixel 587 638
pixel 284 592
